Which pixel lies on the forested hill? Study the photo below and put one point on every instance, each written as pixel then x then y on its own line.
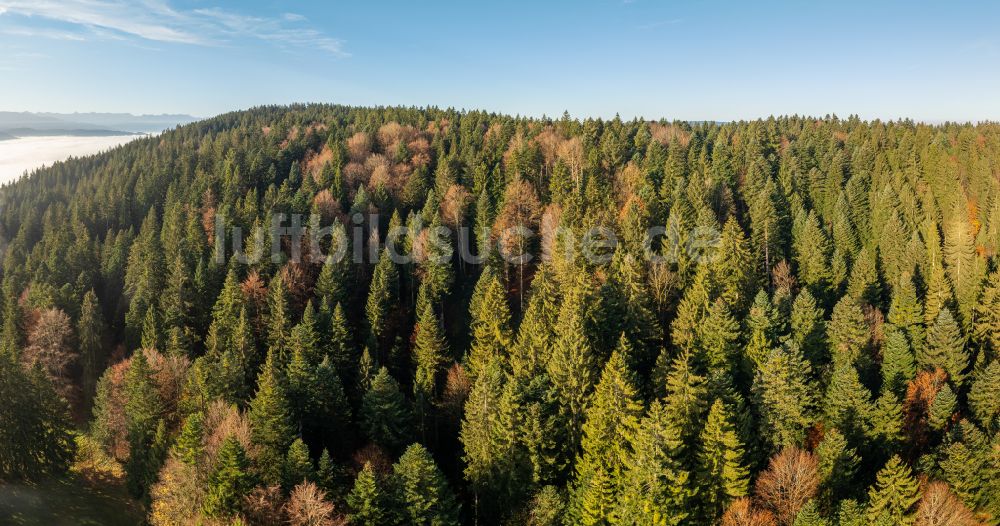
pixel 784 321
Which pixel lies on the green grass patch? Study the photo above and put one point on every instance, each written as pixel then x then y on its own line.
pixel 70 501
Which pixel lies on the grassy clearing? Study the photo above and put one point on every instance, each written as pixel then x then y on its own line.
pixel 71 501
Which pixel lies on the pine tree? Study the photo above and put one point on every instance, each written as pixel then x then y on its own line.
pixel 656 487
pixel 611 423
pixel 721 475
pixel 229 480
pixel 385 416
pixel 270 419
pixel 891 499
pixel 945 348
pixel 785 396
pixel 425 495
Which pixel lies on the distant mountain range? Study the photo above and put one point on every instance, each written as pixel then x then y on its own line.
pixel 28 124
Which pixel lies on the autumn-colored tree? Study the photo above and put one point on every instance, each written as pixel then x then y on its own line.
pixel 790 481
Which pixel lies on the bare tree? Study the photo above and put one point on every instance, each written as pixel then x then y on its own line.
pixel 50 346
pixel 742 513
pixel 307 506
pixel 791 479
pixel 940 507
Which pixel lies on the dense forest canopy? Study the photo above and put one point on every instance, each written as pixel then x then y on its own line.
pixel 784 321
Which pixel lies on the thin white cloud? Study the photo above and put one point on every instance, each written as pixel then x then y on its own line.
pixel 156 20
pixel 53 34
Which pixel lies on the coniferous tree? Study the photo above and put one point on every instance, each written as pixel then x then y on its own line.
pixel 722 475
pixel 787 402
pixel 906 313
pixel 945 348
pixel 90 330
pixel 847 332
pixel 490 323
pixel 657 487
pixel 270 419
pixel 430 352
pixel 298 465
pixel 898 366
pixel 424 492
pixel 385 417
pixel 369 502
pixel 143 410
pixel 891 499
pixel 230 480
pixel 611 423
pixel 808 329
pixel 984 396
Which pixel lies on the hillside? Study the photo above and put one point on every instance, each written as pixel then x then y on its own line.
pixel 796 319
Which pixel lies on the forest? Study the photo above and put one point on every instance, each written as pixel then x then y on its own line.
pixel 789 321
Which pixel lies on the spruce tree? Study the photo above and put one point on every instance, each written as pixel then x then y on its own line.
pixel 945 348
pixel 847 332
pixel 838 464
pixel 298 465
pixel 984 396
pixel 808 329
pixel 657 488
pixel 385 417
pixel 490 322
pixel 898 366
pixel 424 493
pixel 189 446
pixel 369 503
pixel 942 408
pixel 891 499
pixel 271 421
pixel 906 312
pixel 610 426
pixel 90 330
pixel 848 405
pixel 785 396
pixel 229 481
pixel 430 354
pixel 722 475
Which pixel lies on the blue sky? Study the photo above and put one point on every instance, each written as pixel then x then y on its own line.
pixel 695 60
